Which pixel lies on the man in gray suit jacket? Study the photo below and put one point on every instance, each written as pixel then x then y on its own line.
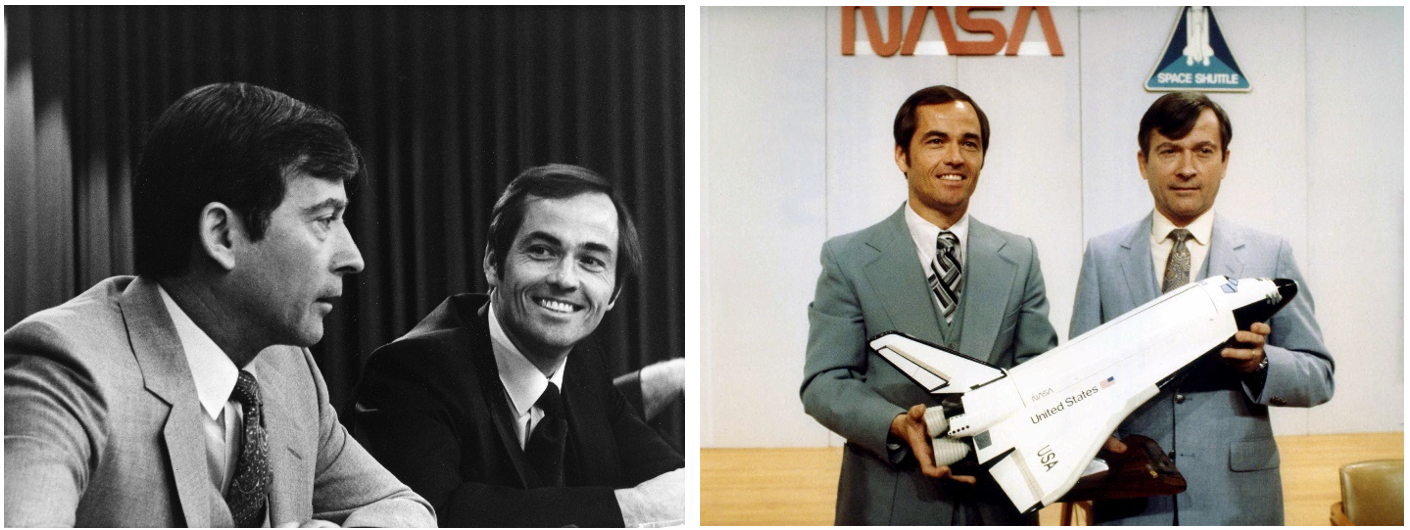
pixel 934 272
pixel 1213 418
pixel 186 396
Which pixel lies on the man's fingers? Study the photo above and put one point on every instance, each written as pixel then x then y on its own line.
pixel 917 413
pixel 1113 445
pixel 963 478
pixel 1238 354
pixel 1249 338
pixel 1261 328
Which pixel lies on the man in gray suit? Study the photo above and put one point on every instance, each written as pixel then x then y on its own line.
pixel 1214 418
pixel 186 396
pixel 936 273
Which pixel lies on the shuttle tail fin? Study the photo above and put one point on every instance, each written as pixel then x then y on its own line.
pixel 937 369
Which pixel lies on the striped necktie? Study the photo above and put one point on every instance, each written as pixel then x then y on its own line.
pixel 945 273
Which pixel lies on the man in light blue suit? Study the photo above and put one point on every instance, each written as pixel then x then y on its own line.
pixel 1214 418
pixel 936 273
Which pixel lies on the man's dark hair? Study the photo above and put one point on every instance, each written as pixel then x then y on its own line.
pixel 905 126
pixel 559 181
pixel 232 143
pixel 1174 116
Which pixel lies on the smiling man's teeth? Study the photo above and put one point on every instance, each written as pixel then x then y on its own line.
pixel 554 305
pixel 951 177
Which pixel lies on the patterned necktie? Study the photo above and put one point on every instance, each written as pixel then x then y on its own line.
pixel 249 490
pixel 1177 267
pixel 945 273
pixel 545 447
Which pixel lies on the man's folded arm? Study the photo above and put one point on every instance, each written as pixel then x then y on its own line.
pixel 1300 367
pixel 54 428
pixel 350 487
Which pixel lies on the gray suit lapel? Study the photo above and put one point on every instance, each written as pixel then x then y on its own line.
pixel 283 428
pixel 1225 245
pixel 166 375
pixel 1137 266
pixel 897 276
pixel 988 280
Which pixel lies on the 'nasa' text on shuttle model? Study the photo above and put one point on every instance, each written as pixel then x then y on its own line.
pixel 1036 427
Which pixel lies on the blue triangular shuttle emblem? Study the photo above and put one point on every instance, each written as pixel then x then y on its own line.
pixel 1197 58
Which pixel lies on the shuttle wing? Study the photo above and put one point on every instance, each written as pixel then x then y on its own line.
pixel 935 368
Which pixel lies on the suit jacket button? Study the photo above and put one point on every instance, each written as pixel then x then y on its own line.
pixel 1277 402
pixel 1179 398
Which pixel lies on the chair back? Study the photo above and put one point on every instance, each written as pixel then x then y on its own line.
pixel 1373 492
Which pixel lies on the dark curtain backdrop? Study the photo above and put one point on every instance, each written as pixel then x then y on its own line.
pixel 448 104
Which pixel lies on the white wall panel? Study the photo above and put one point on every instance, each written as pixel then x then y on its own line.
pixel 763 227
pixel 1356 182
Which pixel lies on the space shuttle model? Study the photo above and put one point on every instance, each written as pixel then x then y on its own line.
pixel 1037 426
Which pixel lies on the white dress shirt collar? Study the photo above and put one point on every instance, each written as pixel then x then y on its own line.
pixel 923 234
pixel 214 373
pixel 1200 229
pixel 522 380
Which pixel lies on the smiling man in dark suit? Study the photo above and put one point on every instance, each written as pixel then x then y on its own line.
pixel 498 408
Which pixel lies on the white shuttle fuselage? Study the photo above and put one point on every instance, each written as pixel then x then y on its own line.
pixel 1036 427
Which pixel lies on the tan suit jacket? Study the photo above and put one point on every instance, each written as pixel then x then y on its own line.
pixel 103 428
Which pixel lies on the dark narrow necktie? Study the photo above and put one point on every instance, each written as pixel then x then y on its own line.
pixel 249 490
pixel 1177 266
pixel 546 444
pixel 945 273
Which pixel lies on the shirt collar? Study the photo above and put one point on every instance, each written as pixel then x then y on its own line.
pixel 522 380
pixel 213 371
pixel 1201 229
pixel 923 233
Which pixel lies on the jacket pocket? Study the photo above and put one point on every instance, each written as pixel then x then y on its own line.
pixel 1253 455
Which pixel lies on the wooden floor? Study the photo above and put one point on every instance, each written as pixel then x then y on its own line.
pixel 799 486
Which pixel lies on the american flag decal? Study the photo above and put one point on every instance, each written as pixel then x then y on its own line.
pixel 1109 381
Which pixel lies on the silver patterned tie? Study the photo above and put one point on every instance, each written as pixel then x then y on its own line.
pixel 945 273
pixel 1177 267
pixel 249 490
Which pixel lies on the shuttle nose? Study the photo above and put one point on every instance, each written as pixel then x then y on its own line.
pixel 1260 311
pixel 1287 289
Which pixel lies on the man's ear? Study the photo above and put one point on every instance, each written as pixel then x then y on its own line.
pixel 903 161
pixel 491 273
pixel 217 233
pixel 615 295
pixel 1141 163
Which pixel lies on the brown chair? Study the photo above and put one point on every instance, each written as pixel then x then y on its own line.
pixel 1372 494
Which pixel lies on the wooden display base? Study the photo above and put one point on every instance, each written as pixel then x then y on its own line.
pixel 1144 470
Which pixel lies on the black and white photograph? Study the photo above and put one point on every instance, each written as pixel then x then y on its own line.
pixel 345 266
